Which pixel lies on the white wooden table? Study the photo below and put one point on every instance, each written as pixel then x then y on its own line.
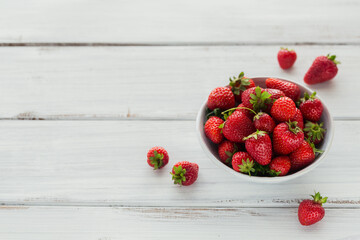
pixel 110 79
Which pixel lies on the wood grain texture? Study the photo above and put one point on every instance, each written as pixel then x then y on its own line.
pixel 180 21
pixel 103 163
pixel 151 82
pixel 96 223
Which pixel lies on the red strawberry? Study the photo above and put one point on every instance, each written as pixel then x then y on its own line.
pixel 256 98
pixel 240 84
pixel 221 97
pixel 247 112
pixel 263 122
pixel 302 156
pixel 212 129
pixel 314 132
pixel 226 150
pixel 324 68
pixel 286 58
pixel 238 126
pixel 287 137
pixel 283 109
pixel 243 162
pixel 291 90
pixel 157 157
pixel 275 94
pixel 258 145
pixel 311 211
pixel 280 165
pixel 311 107
pixel 185 173
pixel 298 117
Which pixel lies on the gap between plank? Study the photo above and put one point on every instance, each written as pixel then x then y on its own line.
pixel 115 205
pixel 84 118
pixel 166 44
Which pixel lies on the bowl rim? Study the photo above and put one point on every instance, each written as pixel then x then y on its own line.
pixel 217 162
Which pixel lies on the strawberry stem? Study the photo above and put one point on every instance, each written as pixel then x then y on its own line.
pixel 179 175
pixel 318 198
pixel 157 160
pixel 232 109
pixel 247 166
pixel 332 58
pixel 293 127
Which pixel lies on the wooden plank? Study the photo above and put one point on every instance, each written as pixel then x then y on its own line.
pixel 176 223
pixel 150 82
pixel 181 21
pixel 103 163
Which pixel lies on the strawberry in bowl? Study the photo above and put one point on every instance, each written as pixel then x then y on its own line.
pixel 282 128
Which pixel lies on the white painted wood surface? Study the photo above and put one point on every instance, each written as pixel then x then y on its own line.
pixel 98 223
pixel 151 82
pixel 118 77
pixel 179 22
pixel 103 163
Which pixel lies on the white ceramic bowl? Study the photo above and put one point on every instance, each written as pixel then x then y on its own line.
pixel 211 148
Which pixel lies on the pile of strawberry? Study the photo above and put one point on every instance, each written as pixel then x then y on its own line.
pixel 271 132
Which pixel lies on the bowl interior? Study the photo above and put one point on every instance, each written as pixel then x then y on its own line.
pixel 211 148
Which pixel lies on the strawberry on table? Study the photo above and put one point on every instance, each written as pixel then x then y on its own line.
pixel 286 58
pixel 240 84
pixel 324 68
pixel 237 126
pixel 226 151
pixel 264 122
pixel 185 173
pixel 221 97
pixel 303 156
pixel 290 90
pixel 280 165
pixel 298 117
pixel 243 162
pixel 212 129
pixel 259 146
pixel 311 107
pixel 311 211
pixel 157 157
pixel 287 137
pixel 314 132
pixel 283 109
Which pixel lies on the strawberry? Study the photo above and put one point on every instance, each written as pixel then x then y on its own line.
pixel 237 126
pixel 247 112
pixel 290 90
pixel 226 150
pixel 298 117
pixel 221 97
pixel 314 132
pixel 287 137
pixel 311 211
pixel 311 107
pixel 263 122
pixel 256 98
pixel 286 58
pixel 275 94
pixel 157 157
pixel 283 109
pixel 324 68
pixel 212 129
pixel 281 165
pixel 258 145
pixel 243 162
pixel 240 84
pixel 303 156
pixel 185 173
